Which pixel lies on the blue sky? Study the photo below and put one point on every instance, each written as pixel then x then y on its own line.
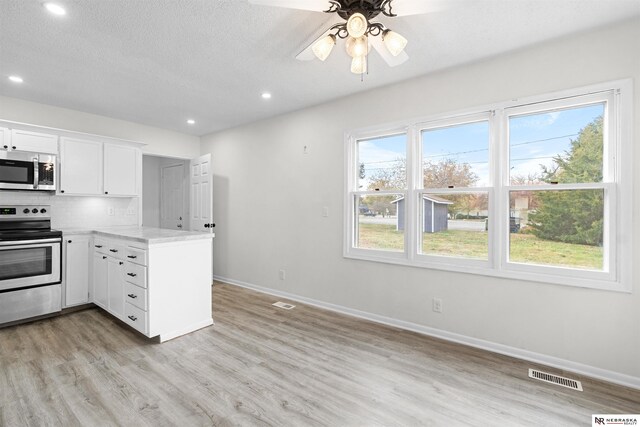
pixel 534 140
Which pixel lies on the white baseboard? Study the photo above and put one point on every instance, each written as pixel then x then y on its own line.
pixel 543 359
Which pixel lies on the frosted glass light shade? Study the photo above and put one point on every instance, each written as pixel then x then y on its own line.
pixel 357 47
pixel 394 42
pixel 359 65
pixel 357 25
pixel 323 47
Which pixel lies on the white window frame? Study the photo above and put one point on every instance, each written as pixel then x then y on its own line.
pixel 617 185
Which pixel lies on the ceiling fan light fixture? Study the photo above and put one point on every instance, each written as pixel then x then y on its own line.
pixel 323 47
pixel 357 46
pixel 357 25
pixel 359 65
pixel 394 42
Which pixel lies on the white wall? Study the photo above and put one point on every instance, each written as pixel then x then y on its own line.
pixel 161 142
pixel 268 199
pixel 151 191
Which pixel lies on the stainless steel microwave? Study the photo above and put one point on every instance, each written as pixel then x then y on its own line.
pixel 22 170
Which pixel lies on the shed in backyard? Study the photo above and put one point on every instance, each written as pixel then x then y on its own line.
pixel 435 213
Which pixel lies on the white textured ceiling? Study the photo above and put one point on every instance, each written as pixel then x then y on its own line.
pixel 159 62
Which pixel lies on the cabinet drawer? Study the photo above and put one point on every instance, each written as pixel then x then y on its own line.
pixel 136 255
pixel 135 317
pixel 100 245
pixel 135 295
pixel 115 250
pixel 136 274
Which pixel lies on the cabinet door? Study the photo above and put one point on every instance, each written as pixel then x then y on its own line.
pixel 100 272
pixel 80 166
pixel 23 140
pixel 76 270
pixel 5 136
pixel 116 287
pixel 120 170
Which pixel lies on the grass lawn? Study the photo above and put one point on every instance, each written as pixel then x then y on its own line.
pixel 525 248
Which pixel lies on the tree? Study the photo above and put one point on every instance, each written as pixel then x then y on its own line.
pixel 573 216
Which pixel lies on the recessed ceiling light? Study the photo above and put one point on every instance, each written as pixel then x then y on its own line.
pixel 16 79
pixel 56 9
pixel 191 122
pixel 266 95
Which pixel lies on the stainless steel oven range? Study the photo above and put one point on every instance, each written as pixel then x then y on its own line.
pixel 30 263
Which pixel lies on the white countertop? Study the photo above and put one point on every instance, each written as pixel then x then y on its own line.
pixel 149 235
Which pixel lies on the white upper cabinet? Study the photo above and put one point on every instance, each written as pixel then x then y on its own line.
pixel 5 136
pixel 120 170
pixel 97 168
pixel 80 167
pixel 22 140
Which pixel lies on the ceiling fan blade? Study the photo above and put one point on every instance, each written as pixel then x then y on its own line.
pixel 307 53
pixel 393 61
pixel 313 5
pixel 417 7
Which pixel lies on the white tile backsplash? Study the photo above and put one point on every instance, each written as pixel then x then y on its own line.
pixel 79 212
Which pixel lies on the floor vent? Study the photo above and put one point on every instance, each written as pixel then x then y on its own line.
pixel 284 305
pixel 555 379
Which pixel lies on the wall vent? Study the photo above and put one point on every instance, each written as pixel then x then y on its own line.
pixel 284 305
pixel 555 379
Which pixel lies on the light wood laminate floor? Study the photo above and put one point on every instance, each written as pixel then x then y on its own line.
pixel 260 365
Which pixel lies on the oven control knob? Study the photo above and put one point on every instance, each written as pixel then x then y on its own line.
pixel 26 210
pixel 34 210
pixel 43 210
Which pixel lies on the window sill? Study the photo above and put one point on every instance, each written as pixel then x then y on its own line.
pixel 605 285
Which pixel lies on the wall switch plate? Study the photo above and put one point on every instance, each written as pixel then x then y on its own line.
pixel 437 305
pixel 325 211
pixel 131 211
pixel 282 274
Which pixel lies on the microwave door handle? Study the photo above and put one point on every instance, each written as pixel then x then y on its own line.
pixel 36 168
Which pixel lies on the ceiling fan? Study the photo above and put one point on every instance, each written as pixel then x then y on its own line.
pixel 352 20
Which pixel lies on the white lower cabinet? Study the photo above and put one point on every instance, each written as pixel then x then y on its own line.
pixel 115 287
pixel 76 271
pixel 99 295
pixel 161 290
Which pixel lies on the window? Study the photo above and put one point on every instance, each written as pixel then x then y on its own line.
pixel 536 189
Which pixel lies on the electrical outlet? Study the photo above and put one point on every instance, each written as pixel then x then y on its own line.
pixel 111 211
pixel 282 274
pixel 437 305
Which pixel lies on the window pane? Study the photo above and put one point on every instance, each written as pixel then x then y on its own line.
pixel 455 225
pixel 382 163
pixel 557 146
pixel 557 227
pixel 456 156
pixel 379 225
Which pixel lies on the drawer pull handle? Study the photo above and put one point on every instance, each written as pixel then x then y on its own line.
pixel 132 256
pixel 132 296
pixel 98 246
pixel 113 250
pixel 132 274
pixel 120 263
pixel 104 257
pixel 134 318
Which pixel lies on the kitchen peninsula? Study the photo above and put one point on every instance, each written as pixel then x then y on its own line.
pixel 157 281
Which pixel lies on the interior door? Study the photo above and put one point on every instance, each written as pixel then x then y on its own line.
pixel 172 197
pixel 201 211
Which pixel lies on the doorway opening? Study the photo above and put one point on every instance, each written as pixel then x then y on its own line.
pixel 165 192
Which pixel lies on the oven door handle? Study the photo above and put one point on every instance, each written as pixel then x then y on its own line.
pixel 29 242
pixel 36 172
